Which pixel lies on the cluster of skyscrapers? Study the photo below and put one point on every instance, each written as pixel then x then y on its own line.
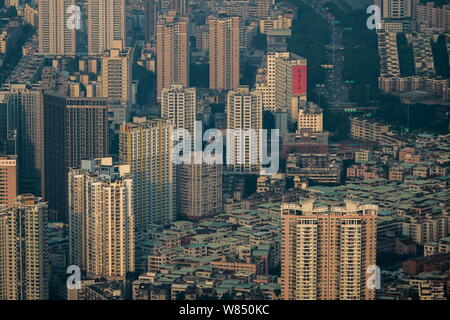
pixel 79 151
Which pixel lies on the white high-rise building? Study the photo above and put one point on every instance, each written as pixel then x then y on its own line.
pixel 172 44
pixel 101 219
pixel 24 264
pixel 244 124
pixel 224 53
pixel 271 69
pixel 146 145
pixel 290 84
pixel 199 184
pixel 116 74
pixel 179 105
pixel 55 38
pixel 106 24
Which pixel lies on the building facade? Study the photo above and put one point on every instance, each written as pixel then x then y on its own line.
pixel 55 38
pixel 290 84
pixel 8 180
pixel 179 104
pixel 116 76
pixel 224 53
pixel 200 190
pixel 24 264
pixel 172 37
pixel 75 129
pixel 26 118
pixel 101 219
pixel 106 24
pixel 146 145
pixel 310 118
pixel 244 125
pixel 326 251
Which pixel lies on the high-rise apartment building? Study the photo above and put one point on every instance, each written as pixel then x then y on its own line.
pixel 75 129
pixel 263 7
pixel 326 251
pixel 200 190
pixel 268 87
pixel 8 180
pixel 26 117
pixel 398 9
pixel 24 264
pixel 116 75
pixel 101 219
pixel 423 54
pixel 55 38
pixel 106 24
pixel 291 84
pixel 172 37
pixel 199 184
pixel 224 53
pixel 244 124
pixel 146 145
pixel 179 104
pixel 431 15
pixel 388 52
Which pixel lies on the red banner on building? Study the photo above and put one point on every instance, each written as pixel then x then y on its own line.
pixel 299 80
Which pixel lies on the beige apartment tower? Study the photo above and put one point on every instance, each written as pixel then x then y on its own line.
pixel 224 53
pixel 8 181
pixel 116 75
pixel 200 190
pixel 146 145
pixel 24 264
pixel 106 24
pixel 172 38
pixel 55 38
pixel 326 250
pixel 179 104
pixel 101 219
